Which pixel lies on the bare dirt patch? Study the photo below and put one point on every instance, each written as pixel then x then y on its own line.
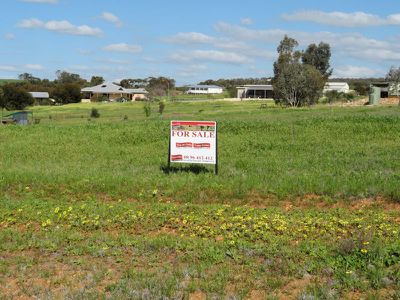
pixel 294 288
pixel 256 295
pixel 198 295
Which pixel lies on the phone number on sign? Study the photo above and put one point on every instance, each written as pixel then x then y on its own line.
pixel 204 158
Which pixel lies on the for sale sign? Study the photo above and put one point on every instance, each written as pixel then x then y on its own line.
pixel 193 142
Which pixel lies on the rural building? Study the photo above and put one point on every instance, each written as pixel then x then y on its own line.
pixel 110 91
pixel 40 95
pixel 204 89
pixel 340 87
pixel 255 91
pixel 387 89
pixel 42 98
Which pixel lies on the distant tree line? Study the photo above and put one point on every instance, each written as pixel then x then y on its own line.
pixel 66 88
pixel 156 86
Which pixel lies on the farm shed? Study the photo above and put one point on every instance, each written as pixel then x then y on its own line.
pixel 255 91
pixel 340 87
pixel 42 97
pixel 111 92
pixel 387 89
pixel 204 89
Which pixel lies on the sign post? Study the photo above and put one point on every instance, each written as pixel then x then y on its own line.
pixel 193 142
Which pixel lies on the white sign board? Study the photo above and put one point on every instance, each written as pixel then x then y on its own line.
pixel 193 142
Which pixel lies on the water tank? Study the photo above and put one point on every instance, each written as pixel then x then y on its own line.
pixel 374 95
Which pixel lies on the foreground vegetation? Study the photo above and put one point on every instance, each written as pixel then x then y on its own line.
pixel 306 204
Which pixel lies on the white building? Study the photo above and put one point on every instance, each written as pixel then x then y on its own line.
pixel 255 91
pixel 112 92
pixel 340 87
pixel 204 89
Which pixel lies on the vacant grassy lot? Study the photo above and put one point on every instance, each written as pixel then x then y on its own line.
pixel 306 205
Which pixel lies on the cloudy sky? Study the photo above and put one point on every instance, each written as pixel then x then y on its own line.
pixel 190 40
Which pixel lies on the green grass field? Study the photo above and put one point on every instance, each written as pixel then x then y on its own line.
pixel 306 204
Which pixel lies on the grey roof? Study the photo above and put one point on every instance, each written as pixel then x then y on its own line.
pixel 257 86
pixel 336 84
pixel 205 86
pixel 39 94
pixel 112 88
pixel 136 91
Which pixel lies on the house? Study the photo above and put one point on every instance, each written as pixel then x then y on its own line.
pixel 255 91
pixel 110 91
pixel 340 87
pixel 204 89
pixel 42 98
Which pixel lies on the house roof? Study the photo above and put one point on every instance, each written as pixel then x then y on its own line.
pixel 256 86
pixel 112 88
pixel 39 94
pixel 136 91
pixel 336 84
pixel 205 86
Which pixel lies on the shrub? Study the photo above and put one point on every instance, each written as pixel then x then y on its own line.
pixel 161 107
pixel 350 96
pixel 147 109
pixel 94 113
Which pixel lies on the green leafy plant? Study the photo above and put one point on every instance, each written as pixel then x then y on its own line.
pixel 161 107
pixel 147 109
pixel 94 113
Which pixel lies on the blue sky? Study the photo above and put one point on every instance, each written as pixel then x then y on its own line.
pixel 190 40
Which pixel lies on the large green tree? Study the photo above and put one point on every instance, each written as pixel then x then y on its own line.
pixel 29 77
pixel 160 86
pixel 297 83
pixel 66 77
pixel 67 93
pixel 96 80
pixel 15 98
pixel 318 56
pixel 134 83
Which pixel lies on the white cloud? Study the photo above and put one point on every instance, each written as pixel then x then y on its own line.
pixel 61 27
pixel 123 47
pixel 394 19
pixel 114 61
pixel 8 68
pixel 246 21
pixel 378 55
pixel 111 18
pixel 41 1
pixel 211 56
pixel 342 19
pixel 346 44
pixel 243 33
pixel 35 67
pixel 9 36
pixel 189 38
pixel 304 38
pixel 20 68
pixel 355 72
